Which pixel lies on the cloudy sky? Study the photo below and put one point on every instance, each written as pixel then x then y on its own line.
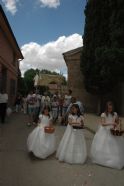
pixel 44 29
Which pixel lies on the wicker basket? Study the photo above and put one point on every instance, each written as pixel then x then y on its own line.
pixel 49 130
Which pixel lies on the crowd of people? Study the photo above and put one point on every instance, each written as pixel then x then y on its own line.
pixel 43 112
pixel 33 105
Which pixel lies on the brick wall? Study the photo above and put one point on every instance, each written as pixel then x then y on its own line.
pixel 8 65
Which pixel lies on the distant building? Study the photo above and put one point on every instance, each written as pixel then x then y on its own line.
pixel 10 55
pixel 54 82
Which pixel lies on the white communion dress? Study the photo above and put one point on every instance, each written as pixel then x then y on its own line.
pixel 40 143
pixel 106 149
pixel 72 147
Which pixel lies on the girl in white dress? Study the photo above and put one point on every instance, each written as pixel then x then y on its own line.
pixel 72 148
pixel 106 149
pixel 40 143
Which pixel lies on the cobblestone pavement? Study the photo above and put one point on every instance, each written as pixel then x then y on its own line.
pixel 18 168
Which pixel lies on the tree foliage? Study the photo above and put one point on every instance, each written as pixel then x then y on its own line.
pixel 28 79
pixel 103 51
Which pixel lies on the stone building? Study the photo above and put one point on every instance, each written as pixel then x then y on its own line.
pixel 54 82
pixel 10 55
pixel 75 80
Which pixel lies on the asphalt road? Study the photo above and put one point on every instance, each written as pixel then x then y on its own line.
pixel 18 168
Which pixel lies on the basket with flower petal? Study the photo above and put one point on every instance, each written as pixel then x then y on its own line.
pixel 117 131
pixel 49 129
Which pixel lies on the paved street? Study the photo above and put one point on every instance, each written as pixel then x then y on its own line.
pixel 18 168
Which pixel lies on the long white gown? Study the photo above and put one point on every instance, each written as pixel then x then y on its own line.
pixel 72 147
pixel 106 149
pixel 40 143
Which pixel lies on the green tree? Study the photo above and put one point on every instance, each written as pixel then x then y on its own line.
pixel 28 79
pixel 103 53
pixel 44 71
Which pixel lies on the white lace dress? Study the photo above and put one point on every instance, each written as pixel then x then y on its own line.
pixel 72 147
pixel 40 143
pixel 106 149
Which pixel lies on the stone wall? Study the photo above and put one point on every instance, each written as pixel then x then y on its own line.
pixel 75 80
pixel 45 79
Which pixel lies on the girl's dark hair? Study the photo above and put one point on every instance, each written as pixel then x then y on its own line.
pixel 109 103
pixel 78 109
pixel 46 108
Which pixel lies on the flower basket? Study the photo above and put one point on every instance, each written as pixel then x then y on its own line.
pixel 117 131
pixel 49 130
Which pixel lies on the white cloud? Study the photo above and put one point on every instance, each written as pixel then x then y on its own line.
pixel 49 56
pixel 11 5
pixel 50 3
